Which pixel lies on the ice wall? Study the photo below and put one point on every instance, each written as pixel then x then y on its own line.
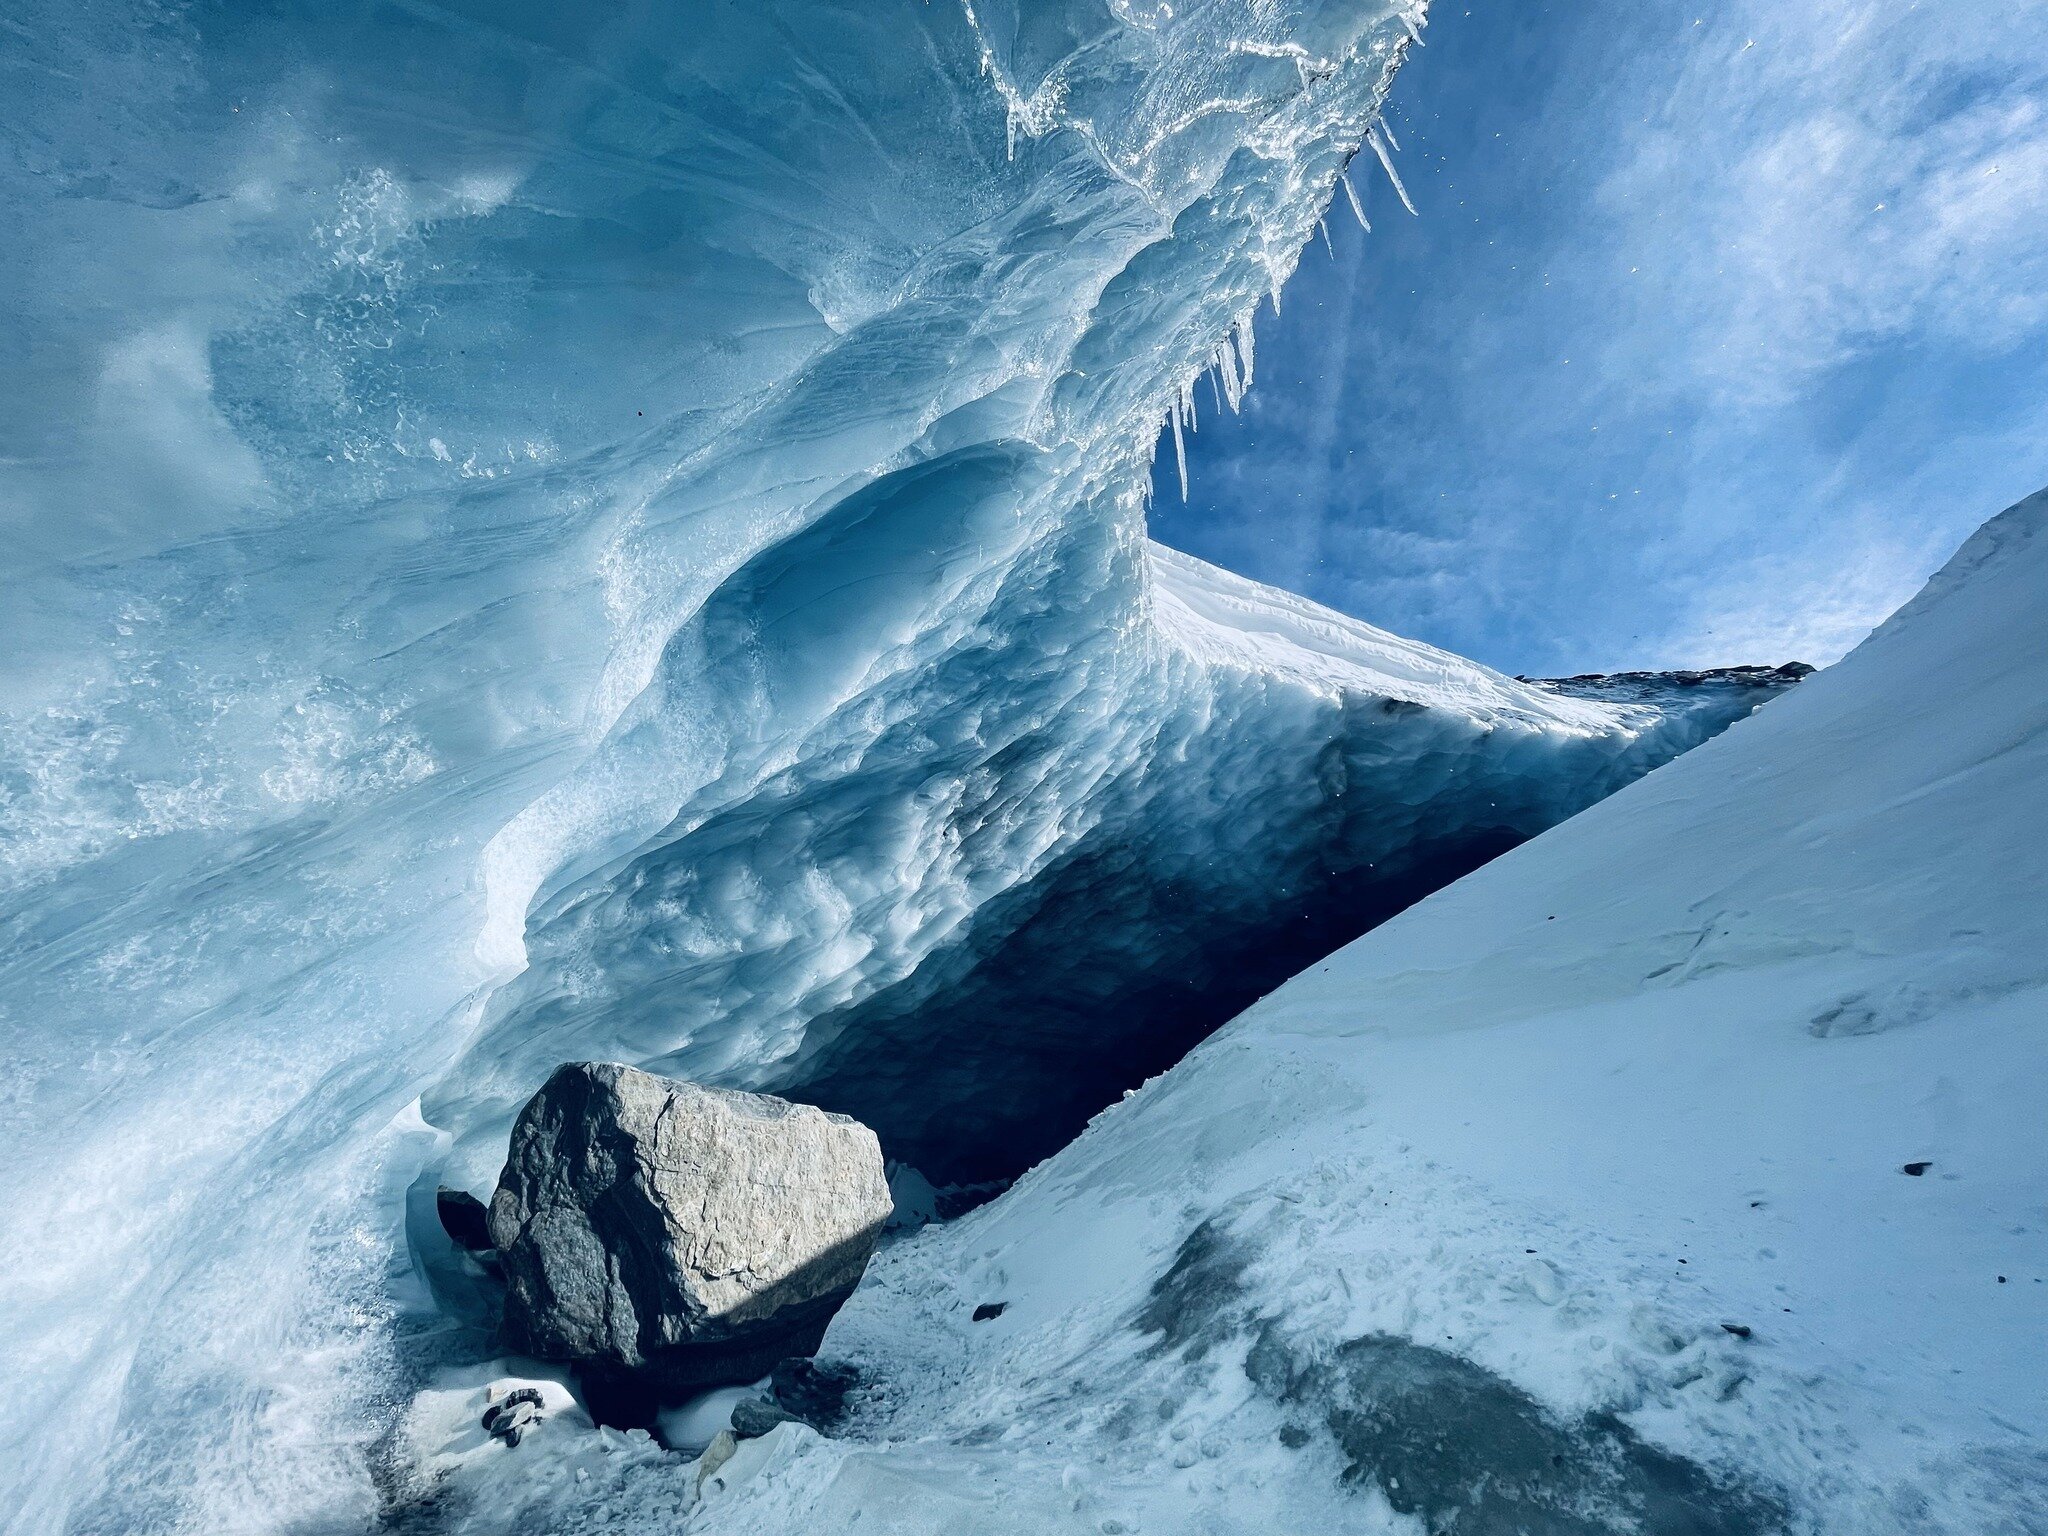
pixel 541 532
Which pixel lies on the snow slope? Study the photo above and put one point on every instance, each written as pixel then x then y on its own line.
pixel 1462 1224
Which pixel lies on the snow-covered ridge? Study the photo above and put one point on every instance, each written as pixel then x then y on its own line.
pixel 1225 620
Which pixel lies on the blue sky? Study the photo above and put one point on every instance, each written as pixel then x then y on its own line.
pixel 1720 327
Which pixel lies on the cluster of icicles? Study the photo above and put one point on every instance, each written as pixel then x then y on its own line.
pixel 1229 367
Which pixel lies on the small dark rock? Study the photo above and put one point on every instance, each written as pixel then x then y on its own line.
pixel 465 1219
pixel 1740 1330
pixel 511 1419
pixel 755 1416
pixel 1916 1169
pixel 990 1310
pixel 502 1413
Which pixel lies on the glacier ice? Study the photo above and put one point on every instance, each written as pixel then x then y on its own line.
pixel 539 534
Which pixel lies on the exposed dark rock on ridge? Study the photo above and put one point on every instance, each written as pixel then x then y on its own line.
pixel 1634 686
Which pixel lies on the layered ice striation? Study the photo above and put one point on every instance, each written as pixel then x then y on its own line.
pixel 540 534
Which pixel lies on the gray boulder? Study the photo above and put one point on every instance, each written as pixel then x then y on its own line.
pixel 664 1236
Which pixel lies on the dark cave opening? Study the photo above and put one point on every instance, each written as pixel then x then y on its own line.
pixel 1114 963
pixel 998 1052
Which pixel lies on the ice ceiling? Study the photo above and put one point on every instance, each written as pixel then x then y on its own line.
pixel 544 532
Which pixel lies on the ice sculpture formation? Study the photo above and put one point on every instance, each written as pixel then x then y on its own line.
pixel 539 532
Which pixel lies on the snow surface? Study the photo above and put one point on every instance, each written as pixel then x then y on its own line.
pixel 538 532
pixel 1542 1139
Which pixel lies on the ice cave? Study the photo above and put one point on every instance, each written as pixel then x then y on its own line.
pixel 543 534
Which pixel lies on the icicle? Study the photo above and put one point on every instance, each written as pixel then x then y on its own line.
pixel 1379 147
pixel 1387 130
pixel 1243 333
pixel 1216 384
pixel 1180 451
pixel 1357 208
pixel 1226 364
pixel 1323 229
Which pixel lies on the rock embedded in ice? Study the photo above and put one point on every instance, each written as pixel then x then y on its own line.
pixel 662 1235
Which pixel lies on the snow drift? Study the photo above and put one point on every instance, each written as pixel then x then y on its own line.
pixel 537 535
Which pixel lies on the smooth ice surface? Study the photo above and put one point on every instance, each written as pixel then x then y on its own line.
pixel 1574 1199
pixel 541 533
